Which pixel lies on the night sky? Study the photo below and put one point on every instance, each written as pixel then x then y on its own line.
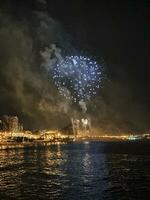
pixel 113 31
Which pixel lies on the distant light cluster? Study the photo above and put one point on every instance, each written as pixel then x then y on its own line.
pixel 78 75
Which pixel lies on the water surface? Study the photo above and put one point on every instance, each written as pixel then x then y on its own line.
pixel 77 171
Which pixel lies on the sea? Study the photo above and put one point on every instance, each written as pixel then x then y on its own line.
pixel 77 171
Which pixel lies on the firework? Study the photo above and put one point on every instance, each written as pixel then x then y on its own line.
pixel 79 75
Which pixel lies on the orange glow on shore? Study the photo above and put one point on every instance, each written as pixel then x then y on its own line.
pixel 56 136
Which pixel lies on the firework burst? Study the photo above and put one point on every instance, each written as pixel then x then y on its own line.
pixel 79 75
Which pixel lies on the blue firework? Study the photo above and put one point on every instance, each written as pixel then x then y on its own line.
pixel 79 75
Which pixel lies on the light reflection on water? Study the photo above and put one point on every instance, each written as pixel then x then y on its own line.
pixel 75 171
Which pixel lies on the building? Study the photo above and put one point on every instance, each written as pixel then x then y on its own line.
pixel 11 124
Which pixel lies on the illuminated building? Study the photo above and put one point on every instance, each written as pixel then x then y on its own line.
pixel 49 134
pixel 11 124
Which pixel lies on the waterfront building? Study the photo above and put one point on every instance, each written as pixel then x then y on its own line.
pixel 10 124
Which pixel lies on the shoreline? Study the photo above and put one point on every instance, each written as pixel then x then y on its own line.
pixel 36 144
pixel 22 145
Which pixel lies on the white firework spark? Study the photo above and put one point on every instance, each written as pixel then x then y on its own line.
pixel 80 75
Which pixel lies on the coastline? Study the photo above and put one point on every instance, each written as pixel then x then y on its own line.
pixel 21 145
pixel 5 145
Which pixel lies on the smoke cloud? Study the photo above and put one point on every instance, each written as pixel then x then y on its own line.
pixel 50 56
pixel 30 45
pixel 83 106
pixel 26 88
